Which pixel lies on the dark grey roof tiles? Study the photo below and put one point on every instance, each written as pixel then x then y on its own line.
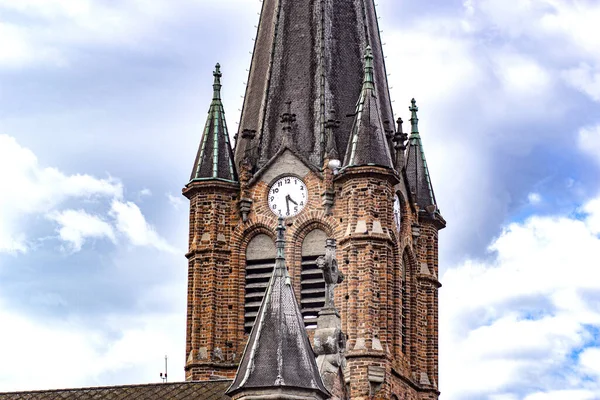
pixel 416 165
pixel 214 159
pixel 278 353
pixel 310 53
pixel 212 390
pixel 368 144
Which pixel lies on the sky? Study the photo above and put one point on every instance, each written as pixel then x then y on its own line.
pixel 102 103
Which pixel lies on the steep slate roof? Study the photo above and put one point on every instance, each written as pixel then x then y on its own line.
pixel 278 353
pixel 212 390
pixel 310 53
pixel 215 157
pixel 416 165
pixel 368 144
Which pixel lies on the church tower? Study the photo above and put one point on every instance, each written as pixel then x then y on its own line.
pixel 317 146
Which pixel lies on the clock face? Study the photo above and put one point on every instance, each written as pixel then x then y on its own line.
pixel 397 212
pixel 288 196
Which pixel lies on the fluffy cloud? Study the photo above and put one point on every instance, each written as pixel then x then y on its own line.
pixel 521 316
pixel 75 226
pixel 71 353
pixel 570 26
pixel 29 190
pixel 59 27
pixel 131 222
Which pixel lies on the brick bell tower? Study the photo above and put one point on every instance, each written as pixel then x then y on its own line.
pixel 358 179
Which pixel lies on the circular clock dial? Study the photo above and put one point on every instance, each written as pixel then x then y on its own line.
pixel 397 212
pixel 288 196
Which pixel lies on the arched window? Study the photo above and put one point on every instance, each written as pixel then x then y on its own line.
pixel 312 295
pixel 260 261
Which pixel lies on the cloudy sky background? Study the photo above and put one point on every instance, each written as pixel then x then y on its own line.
pixel 101 109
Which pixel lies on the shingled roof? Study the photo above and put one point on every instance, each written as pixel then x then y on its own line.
pixel 416 165
pixel 368 144
pixel 211 390
pixel 215 156
pixel 310 53
pixel 278 354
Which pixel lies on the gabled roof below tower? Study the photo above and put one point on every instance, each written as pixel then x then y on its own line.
pixel 278 354
pixel 214 159
pixel 212 390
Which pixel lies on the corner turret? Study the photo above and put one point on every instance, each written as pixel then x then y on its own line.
pixel 215 156
pixel 368 144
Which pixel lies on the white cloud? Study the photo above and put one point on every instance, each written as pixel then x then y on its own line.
pixel 592 211
pixel 29 189
pixel 521 315
pixel 564 395
pixel 567 31
pixel 176 201
pixel 534 198
pixel 145 192
pixel 77 225
pixel 586 79
pixel 56 27
pixel 70 353
pixel 589 360
pixel 131 222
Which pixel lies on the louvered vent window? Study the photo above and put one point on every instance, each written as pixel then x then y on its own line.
pixel 260 261
pixel 312 297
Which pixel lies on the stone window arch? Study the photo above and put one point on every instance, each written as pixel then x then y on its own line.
pixel 260 261
pixel 312 285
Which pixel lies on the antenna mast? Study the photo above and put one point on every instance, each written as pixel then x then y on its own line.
pixel 163 377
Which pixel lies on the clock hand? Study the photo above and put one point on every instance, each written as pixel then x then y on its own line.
pixel 287 203
pixel 290 198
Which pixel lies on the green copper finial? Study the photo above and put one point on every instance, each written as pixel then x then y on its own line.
pixel 414 120
pixel 217 85
pixel 369 82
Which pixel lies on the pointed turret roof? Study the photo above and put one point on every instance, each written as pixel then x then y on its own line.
pixel 310 54
pixel 368 144
pixel 215 157
pixel 278 354
pixel 416 165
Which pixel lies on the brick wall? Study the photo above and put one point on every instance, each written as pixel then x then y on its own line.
pixel 370 253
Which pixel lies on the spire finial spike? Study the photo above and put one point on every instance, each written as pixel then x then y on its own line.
pixel 414 120
pixel 217 83
pixel 369 82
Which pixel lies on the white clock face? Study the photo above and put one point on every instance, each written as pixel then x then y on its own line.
pixel 288 196
pixel 397 212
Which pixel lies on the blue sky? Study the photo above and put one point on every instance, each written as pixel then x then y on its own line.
pixel 101 109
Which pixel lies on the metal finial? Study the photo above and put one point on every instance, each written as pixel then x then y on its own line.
pixel 369 81
pixel 217 83
pixel 414 120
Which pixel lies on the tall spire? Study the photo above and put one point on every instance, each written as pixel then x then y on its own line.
pixel 214 160
pixel 368 143
pixel 278 357
pixel 416 165
pixel 310 53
